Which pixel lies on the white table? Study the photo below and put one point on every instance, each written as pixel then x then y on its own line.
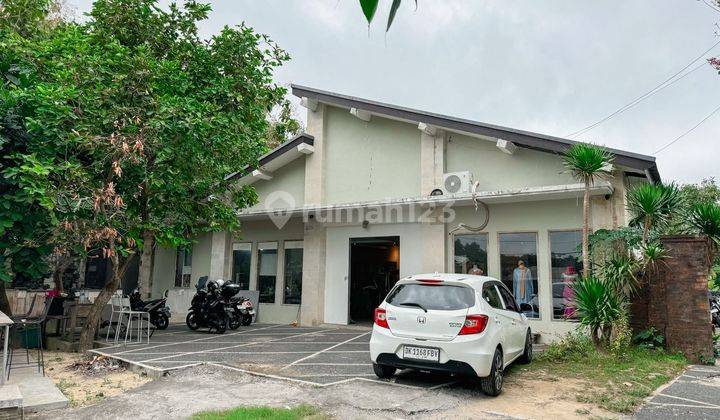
pixel 6 322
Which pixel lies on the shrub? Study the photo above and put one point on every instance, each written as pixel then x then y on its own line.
pixel 573 346
pixel 622 337
pixel 649 338
pixel 598 307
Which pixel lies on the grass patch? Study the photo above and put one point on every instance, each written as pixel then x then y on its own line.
pixel 616 381
pixel 269 413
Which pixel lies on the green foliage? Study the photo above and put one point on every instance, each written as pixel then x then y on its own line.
pixel 573 346
pixel 369 8
pixel 282 126
pixel 598 307
pixel 621 338
pixel 650 338
pixel 653 205
pixel 127 123
pixel 269 413
pixel 618 273
pixel 588 162
pixel 705 218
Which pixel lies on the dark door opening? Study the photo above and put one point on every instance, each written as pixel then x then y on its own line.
pixel 374 270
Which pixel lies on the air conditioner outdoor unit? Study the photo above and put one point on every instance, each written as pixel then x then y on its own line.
pixel 457 183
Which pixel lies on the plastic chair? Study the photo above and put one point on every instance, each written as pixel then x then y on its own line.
pixel 116 308
pixel 128 313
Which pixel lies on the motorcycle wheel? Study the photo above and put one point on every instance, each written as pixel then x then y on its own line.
pixel 162 322
pixel 191 321
pixel 234 323
pixel 246 320
pixel 221 326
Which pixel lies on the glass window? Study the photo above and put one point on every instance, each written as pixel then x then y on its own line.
pixel 565 267
pixel 267 271
pixel 241 265
pixel 432 296
pixel 471 254
pixel 490 294
pixel 183 267
pixel 509 300
pixel 293 272
pixel 518 268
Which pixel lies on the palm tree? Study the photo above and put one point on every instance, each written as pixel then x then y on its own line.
pixel 588 163
pixel 652 206
pixel 705 218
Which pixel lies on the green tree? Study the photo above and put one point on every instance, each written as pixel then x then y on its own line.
pixel 151 118
pixel 587 163
pixel 652 206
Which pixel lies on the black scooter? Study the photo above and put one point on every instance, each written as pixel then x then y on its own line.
pixel 159 312
pixel 207 308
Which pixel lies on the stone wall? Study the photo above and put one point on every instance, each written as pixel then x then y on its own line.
pixel 675 301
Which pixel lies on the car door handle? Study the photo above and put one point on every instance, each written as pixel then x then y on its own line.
pixel 514 322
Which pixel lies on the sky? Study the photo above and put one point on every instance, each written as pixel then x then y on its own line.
pixel 551 66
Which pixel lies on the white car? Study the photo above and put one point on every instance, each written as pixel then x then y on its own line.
pixel 453 323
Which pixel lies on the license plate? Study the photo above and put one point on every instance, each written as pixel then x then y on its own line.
pixel 421 353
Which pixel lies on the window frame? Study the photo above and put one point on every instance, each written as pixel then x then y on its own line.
pixel 515 307
pixel 179 276
pixel 487 249
pixel 232 261
pixel 549 260
pixel 541 315
pixel 259 249
pixel 284 267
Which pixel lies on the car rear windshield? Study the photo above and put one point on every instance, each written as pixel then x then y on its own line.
pixel 426 296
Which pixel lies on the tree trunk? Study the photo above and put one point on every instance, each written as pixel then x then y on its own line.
pixel 4 302
pixel 586 229
pixel 87 334
pixel 59 272
pixel 146 264
pixel 594 333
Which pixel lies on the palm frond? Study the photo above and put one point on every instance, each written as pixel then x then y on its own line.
pixel 588 161
pixel 653 205
pixel 705 218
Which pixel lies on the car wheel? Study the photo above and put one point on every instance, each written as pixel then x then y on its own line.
pixel 527 355
pixel 383 371
pixel 492 385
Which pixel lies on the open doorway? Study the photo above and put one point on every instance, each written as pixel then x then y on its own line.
pixel 374 270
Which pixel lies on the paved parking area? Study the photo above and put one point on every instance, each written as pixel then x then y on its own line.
pixel 315 355
pixel 693 395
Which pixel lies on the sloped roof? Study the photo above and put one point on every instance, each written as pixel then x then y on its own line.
pixel 525 139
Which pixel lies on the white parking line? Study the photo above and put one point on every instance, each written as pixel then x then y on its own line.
pixel 196 340
pixel 324 350
pixel 708 405
pixel 225 348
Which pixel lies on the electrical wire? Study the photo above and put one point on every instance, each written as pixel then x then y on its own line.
pixel 689 131
pixel 667 82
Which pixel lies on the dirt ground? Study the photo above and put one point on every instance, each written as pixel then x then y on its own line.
pixel 85 384
pixel 176 396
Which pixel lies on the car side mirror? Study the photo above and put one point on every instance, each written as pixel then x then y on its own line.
pixel 167 292
pixel 525 307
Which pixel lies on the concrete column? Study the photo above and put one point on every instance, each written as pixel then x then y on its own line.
pixel 432 231
pixel 432 161
pixel 611 212
pixel 313 289
pixel 315 162
pixel 220 252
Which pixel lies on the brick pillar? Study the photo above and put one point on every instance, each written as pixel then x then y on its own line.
pixel 678 297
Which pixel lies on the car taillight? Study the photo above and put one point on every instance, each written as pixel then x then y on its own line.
pixel 474 324
pixel 381 318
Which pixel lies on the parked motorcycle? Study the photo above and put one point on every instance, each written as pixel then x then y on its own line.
pixel 159 312
pixel 207 308
pixel 240 310
pixel 715 310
